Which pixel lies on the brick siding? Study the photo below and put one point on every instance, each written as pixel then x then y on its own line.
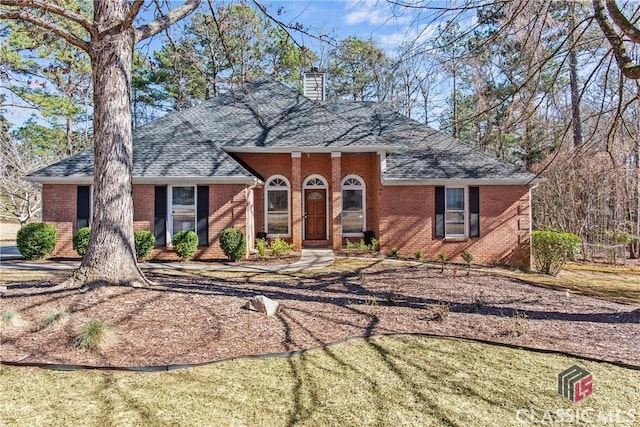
pixel 403 216
pixel 408 215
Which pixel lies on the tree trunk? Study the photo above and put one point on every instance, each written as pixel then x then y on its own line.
pixel 576 121
pixel 110 257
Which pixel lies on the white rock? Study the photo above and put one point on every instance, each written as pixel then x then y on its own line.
pixel 263 304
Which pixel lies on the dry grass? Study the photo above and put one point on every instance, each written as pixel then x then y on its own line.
pixel 10 317
pixel 96 334
pixel 620 284
pixel 382 381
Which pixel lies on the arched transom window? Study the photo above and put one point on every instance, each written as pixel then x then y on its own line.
pixel 315 182
pixel 353 206
pixel 277 206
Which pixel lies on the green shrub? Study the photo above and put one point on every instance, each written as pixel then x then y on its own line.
pixel 36 240
pixel 468 258
pixel 233 243
pixel 418 255
pixel 144 242
pixel 350 245
pixel 261 246
pixel 362 246
pixel 552 249
pixel 443 259
pixel 394 252
pixel 375 244
pixel 185 244
pixel 81 240
pixel 95 334
pixel 280 247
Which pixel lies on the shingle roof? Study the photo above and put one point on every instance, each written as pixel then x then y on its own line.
pixel 271 116
pixel 268 114
pixel 424 153
pixel 168 147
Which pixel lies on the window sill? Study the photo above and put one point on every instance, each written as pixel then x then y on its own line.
pixel 455 239
pixel 352 234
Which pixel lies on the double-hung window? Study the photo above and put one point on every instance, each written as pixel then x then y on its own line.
pixel 181 208
pixel 457 212
pixel 277 207
pixel 353 210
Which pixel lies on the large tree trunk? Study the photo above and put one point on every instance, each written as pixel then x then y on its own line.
pixel 110 257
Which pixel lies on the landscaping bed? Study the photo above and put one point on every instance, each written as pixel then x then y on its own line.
pixel 191 317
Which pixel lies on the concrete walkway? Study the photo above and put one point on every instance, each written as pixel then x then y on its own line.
pixel 309 259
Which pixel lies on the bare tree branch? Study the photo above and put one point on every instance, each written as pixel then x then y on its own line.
pixel 50 7
pixel 23 15
pixel 624 61
pixel 165 21
pixel 133 12
pixel 622 22
pixel 291 27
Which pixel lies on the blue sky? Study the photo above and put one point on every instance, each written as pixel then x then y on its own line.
pixel 375 19
pixel 363 18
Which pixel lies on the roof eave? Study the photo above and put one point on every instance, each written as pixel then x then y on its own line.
pixel 160 180
pixel 462 181
pixel 312 149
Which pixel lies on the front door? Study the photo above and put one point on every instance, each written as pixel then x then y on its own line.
pixel 315 215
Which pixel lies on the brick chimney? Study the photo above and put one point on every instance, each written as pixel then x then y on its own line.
pixel 314 82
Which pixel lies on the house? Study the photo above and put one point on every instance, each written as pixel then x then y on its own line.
pixel 266 159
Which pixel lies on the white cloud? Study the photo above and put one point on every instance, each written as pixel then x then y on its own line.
pixel 372 12
pixel 409 35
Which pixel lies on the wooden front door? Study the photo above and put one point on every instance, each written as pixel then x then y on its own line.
pixel 315 205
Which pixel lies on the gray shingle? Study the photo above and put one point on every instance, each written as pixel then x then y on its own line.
pixel 267 114
pixel 424 153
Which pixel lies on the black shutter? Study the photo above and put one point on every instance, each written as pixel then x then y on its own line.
pixel 160 216
pixel 83 206
pixel 440 203
pixel 474 211
pixel 202 215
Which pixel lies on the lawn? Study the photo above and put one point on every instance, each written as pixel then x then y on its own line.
pixel 402 380
pixel 615 283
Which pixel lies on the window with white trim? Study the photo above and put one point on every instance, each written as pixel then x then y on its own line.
pixel 183 209
pixel 455 212
pixel 353 206
pixel 277 220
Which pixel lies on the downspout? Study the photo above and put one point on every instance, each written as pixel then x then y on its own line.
pixel 533 187
pixel 250 238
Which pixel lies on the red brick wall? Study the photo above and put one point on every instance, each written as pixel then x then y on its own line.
pixel 59 209
pixel 143 207
pixel 266 165
pixel 366 165
pixel 226 209
pixel 408 213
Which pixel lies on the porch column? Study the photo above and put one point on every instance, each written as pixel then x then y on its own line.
pixel 336 200
pixel 296 199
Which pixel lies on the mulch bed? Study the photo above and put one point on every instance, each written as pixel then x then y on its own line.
pixel 190 318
